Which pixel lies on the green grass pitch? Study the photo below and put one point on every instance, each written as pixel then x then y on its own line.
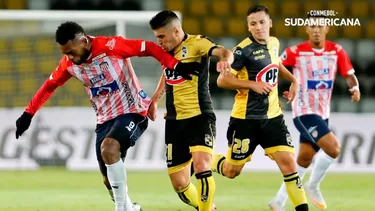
pixel 57 189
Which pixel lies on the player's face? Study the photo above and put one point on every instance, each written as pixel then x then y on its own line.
pixel 259 25
pixel 76 50
pixel 317 33
pixel 167 37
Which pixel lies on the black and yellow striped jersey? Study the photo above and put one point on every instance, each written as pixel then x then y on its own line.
pixel 189 98
pixel 256 62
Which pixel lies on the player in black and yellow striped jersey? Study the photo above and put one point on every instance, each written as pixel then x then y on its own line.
pixel 256 117
pixel 190 119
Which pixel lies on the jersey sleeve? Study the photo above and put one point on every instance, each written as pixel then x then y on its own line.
pixel 239 60
pixel 57 78
pixel 344 64
pixel 133 47
pixel 288 58
pixel 205 46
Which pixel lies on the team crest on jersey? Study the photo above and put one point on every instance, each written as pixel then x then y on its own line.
pixel 184 52
pixel 274 49
pixel 269 74
pixel 172 77
pixel 104 66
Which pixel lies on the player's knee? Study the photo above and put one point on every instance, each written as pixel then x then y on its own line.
pixel 179 183
pixel 334 151
pixel 201 166
pixel 201 161
pixel 285 161
pixel 304 160
pixel 331 146
pixel 231 171
pixel 231 174
pixel 110 150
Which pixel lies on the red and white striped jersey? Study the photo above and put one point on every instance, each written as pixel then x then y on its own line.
pixel 108 77
pixel 316 70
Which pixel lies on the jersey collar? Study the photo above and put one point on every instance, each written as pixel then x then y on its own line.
pixel 254 40
pixel 185 38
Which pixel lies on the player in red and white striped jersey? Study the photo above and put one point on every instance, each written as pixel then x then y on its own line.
pixel 101 64
pixel 315 64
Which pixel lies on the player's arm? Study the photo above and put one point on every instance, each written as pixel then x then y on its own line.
pixel 141 48
pixel 160 90
pixel 229 80
pixel 292 93
pixel 158 94
pixel 346 70
pixel 285 74
pixel 57 78
pixel 207 47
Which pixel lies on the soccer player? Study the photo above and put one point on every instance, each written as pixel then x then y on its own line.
pixel 116 94
pixel 256 117
pixel 315 63
pixel 190 119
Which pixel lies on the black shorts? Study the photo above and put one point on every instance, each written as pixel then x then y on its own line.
pixel 182 137
pixel 126 129
pixel 244 135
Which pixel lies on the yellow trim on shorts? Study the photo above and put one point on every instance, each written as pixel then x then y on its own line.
pixel 201 149
pixel 174 169
pixel 236 162
pixel 270 150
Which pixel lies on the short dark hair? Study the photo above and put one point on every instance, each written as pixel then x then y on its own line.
pixel 67 31
pixel 162 19
pixel 258 8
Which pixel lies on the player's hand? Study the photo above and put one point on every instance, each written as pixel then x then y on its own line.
pixel 261 87
pixel 286 94
pixel 356 94
pixel 188 69
pixel 23 123
pixel 223 66
pixel 152 110
pixel 292 92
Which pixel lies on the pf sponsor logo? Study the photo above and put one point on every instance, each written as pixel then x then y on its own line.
pixel 172 77
pixel 269 74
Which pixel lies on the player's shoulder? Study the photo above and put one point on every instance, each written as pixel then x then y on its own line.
pixel 106 41
pixel 64 63
pixel 274 40
pixel 199 37
pixel 294 49
pixel 332 46
pixel 304 46
pixel 244 43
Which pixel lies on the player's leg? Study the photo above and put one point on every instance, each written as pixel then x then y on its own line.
pixel 179 162
pixel 125 131
pixel 240 148
pixel 101 131
pixel 278 146
pixel 305 155
pixel 103 171
pixel 328 142
pixel 307 150
pixel 201 148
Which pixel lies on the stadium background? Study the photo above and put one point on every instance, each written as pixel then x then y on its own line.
pixel 28 54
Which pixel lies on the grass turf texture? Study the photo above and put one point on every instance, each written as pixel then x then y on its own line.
pixel 58 189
